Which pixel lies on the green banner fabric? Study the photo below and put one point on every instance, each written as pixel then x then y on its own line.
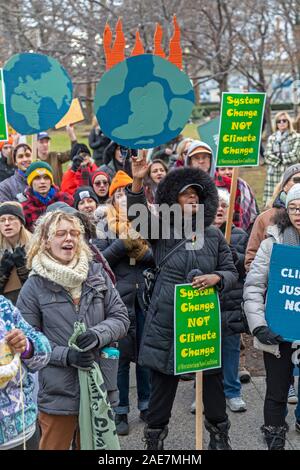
pixel 197 329
pixel 240 129
pixel 3 119
pixel 96 419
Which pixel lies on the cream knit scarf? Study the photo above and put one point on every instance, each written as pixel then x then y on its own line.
pixel 70 276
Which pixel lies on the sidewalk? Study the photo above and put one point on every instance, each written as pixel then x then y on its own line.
pixel 245 431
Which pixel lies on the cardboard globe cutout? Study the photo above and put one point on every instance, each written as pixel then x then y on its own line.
pixel 38 92
pixel 145 100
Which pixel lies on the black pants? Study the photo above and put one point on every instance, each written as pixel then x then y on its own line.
pixel 163 391
pixel 279 373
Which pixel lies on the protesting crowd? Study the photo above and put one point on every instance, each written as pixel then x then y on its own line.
pixel 75 296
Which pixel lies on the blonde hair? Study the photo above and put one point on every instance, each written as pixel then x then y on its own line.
pixel 45 231
pixel 182 146
pixel 24 234
pixel 287 117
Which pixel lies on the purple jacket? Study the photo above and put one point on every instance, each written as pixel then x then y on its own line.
pixel 12 188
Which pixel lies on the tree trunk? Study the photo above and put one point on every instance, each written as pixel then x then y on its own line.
pixel 89 102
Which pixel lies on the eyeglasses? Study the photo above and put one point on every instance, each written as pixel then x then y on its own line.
pixel 63 233
pixel 21 155
pixel 284 121
pixel 10 219
pixel 293 210
pixel 99 183
pixel 296 179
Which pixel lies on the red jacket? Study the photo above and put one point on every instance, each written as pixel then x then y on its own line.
pixel 33 208
pixel 72 180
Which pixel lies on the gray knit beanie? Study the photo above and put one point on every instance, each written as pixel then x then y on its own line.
pixel 293 194
pixel 289 172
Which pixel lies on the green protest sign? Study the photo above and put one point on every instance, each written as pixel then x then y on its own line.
pixel 209 132
pixel 3 120
pixel 240 129
pixel 197 329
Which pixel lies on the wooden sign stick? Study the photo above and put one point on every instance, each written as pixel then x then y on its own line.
pixel 233 188
pixel 34 146
pixel 199 411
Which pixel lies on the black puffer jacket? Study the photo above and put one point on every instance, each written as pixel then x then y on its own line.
pixel 98 142
pixel 232 321
pixel 157 348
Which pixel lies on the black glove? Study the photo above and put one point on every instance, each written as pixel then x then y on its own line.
pixel 87 340
pixel 80 360
pixel 77 160
pixel 266 336
pixel 7 263
pixel 19 256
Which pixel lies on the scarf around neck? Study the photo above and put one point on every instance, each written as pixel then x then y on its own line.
pixel 291 236
pixel 70 276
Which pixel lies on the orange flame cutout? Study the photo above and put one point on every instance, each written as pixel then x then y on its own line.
pixel 138 47
pixel 175 55
pixel 116 54
pixel 158 50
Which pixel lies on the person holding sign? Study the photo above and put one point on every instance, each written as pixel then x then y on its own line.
pixel 210 265
pixel 283 150
pixel 277 351
pixel 14 239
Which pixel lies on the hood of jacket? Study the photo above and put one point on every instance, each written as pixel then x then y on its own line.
pixel 168 190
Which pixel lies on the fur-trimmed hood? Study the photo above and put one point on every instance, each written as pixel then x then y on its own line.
pixel 168 190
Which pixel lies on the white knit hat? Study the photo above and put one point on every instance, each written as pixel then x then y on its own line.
pixel 224 196
pixel 294 193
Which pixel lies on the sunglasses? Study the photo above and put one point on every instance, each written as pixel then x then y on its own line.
pixel 284 121
pixel 99 183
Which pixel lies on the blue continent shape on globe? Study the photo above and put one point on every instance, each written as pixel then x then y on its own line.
pixel 38 92
pixel 143 101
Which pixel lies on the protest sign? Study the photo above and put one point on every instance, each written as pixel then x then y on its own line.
pixel 283 296
pixel 74 115
pixel 209 133
pixel 3 120
pixel 197 330
pixel 240 129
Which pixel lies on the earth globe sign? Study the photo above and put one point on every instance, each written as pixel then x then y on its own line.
pixel 143 101
pixel 38 92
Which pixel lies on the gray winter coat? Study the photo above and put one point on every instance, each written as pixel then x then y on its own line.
pixel 48 307
pixel 12 188
pixel 256 285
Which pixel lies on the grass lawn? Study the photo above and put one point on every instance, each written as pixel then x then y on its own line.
pixel 255 176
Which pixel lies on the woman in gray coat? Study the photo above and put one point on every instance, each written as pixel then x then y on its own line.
pixel 277 352
pixel 65 287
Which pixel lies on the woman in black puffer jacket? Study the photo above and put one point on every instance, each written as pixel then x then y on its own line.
pixel 186 187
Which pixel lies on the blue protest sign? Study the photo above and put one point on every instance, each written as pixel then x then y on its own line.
pixel 283 296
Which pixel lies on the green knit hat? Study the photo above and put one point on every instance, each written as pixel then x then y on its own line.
pixel 38 168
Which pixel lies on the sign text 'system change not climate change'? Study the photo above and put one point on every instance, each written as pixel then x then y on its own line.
pixel 240 129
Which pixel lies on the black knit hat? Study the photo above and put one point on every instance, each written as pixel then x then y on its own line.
pixel 11 209
pixel 78 148
pixel 82 193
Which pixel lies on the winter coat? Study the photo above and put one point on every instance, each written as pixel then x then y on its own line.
pixel 259 230
pixel 22 273
pixel 256 284
pixel 129 283
pixel 232 322
pixel 56 161
pixel 33 208
pixel 98 142
pixel 49 307
pixel 157 347
pixel 72 180
pixel 5 170
pixel 12 189
pixel 278 162
pixel 10 396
